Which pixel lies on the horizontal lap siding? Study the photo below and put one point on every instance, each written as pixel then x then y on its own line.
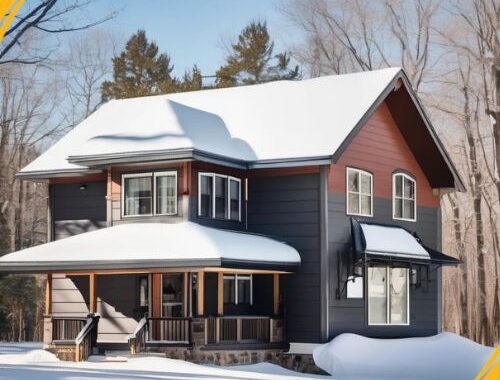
pixel 70 296
pixel 75 211
pixel 287 208
pixel 379 147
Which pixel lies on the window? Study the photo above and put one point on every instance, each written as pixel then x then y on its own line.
pixel 238 289
pixel 359 192
pixel 219 196
pixel 143 290
pixel 172 295
pixel 388 296
pixel 149 194
pixel 404 203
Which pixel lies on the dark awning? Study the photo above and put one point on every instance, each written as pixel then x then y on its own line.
pixel 391 243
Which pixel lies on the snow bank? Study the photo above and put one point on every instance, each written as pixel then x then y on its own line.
pixel 40 356
pixel 443 356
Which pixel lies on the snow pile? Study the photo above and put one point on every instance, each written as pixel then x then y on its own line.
pixel 443 356
pixel 40 356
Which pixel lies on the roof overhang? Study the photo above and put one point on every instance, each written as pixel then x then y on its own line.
pixel 390 243
pixel 136 246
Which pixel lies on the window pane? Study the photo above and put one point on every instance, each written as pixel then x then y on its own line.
pixel 229 290
pixel 143 291
pixel 244 290
pixel 377 295
pixel 399 185
pixel 409 188
pixel 398 208
pixel 366 184
pixel 399 295
pixel 205 196
pixel 353 203
pixel 138 196
pixel 408 209
pixel 235 199
pixel 172 295
pixel 366 205
pixel 221 197
pixel 353 180
pixel 166 198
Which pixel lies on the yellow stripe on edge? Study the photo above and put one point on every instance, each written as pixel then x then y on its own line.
pixel 6 19
pixel 491 371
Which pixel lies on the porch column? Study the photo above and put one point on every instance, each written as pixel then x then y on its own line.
pixel 48 295
pixel 92 293
pixel 156 279
pixel 220 293
pixel 276 293
pixel 201 294
pixel 185 294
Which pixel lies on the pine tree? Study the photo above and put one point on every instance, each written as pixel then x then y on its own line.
pixel 252 60
pixel 140 71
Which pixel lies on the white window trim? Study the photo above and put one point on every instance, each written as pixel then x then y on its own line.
pixel 404 175
pixel 229 179
pixel 348 212
pixel 153 176
pixel 243 277
pixel 388 298
pixel 165 174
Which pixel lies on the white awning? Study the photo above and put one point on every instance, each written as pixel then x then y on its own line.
pixel 154 245
pixel 392 241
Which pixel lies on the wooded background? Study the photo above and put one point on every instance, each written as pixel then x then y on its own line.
pixel 56 69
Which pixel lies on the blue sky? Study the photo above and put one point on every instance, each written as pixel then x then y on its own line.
pixel 194 31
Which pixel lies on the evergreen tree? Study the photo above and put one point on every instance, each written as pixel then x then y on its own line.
pixel 192 81
pixel 252 60
pixel 140 71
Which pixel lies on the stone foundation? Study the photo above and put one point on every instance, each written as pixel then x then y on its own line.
pixel 64 352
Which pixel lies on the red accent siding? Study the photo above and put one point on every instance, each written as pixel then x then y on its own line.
pixel 380 148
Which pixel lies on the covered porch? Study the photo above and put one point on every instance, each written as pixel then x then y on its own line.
pixel 229 295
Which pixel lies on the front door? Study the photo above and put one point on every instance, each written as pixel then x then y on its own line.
pixel 172 296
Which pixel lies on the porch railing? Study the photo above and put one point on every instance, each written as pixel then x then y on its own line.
pixel 137 340
pixel 79 333
pixel 169 330
pixel 244 329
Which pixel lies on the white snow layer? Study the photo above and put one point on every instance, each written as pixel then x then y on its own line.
pixel 157 241
pixel 443 356
pixel 392 241
pixel 278 120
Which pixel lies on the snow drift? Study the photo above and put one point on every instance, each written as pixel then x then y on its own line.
pixel 443 356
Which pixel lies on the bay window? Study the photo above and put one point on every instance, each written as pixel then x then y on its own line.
pixel 219 196
pixel 145 194
pixel 404 205
pixel 388 296
pixel 359 192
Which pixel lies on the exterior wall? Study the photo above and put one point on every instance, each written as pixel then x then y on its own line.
pixel 287 208
pixel 380 148
pixel 74 210
pixel 70 296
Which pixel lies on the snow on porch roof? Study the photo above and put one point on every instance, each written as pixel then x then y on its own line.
pixel 265 124
pixel 153 245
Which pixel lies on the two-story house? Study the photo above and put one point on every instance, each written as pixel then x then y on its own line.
pixel 225 224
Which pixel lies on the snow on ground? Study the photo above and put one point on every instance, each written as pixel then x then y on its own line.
pixel 443 356
pixel 28 361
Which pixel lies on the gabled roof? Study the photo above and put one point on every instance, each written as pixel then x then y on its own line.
pixel 283 123
pixel 154 245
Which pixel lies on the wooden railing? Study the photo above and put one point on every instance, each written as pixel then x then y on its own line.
pixel 238 329
pixel 86 339
pixel 137 340
pixel 169 330
pixel 66 329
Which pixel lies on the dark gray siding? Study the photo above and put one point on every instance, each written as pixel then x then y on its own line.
pixel 349 315
pixel 75 211
pixel 287 207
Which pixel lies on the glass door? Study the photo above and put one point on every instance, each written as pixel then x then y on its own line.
pixel 172 295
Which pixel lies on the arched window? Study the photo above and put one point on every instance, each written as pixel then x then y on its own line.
pixel 359 192
pixel 404 197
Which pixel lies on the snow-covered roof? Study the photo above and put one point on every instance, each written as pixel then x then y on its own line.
pixel 152 245
pixel 392 241
pixel 283 121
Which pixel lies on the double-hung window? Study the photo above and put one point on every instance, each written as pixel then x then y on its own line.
pixel 146 194
pixel 238 289
pixel 219 196
pixel 388 296
pixel 359 192
pixel 404 204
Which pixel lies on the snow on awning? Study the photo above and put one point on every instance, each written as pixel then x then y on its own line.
pixel 154 245
pixel 393 243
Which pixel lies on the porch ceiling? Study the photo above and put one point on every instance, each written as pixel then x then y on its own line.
pixel 154 245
